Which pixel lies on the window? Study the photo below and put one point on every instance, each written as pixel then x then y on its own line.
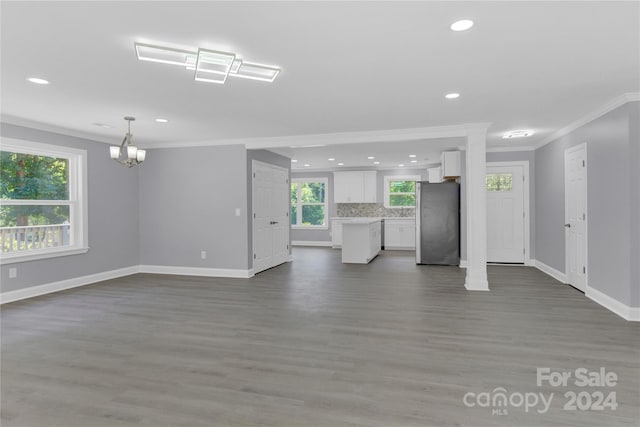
pixel 43 201
pixel 309 203
pixel 400 191
pixel 499 181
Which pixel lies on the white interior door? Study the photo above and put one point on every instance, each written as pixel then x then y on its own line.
pixel 575 177
pixel 270 216
pixel 505 214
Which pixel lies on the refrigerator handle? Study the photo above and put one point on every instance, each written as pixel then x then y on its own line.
pixel 418 215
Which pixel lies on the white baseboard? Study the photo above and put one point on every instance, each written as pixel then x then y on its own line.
pixel 34 291
pixel 196 271
pixel 527 263
pixel 310 243
pixel 398 248
pixel 559 276
pixel 612 304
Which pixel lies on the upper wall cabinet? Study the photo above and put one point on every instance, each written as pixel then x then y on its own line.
pixel 450 164
pixel 355 187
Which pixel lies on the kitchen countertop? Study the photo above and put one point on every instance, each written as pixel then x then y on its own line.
pixel 362 221
pixel 392 218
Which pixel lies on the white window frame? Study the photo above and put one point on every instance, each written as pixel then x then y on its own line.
pixel 78 205
pixel 299 204
pixel 387 193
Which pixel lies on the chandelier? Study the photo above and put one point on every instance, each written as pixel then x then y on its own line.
pixel 127 153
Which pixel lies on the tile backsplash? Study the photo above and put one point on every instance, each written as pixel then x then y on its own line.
pixel 373 210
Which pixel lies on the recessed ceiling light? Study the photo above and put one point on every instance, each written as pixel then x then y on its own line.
pixel 412 155
pixel 307 165
pixel 452 95
pixel 370 157
pixel 462 25
pixel 376 163
pixel 38 81
pixel 401 165
pixel 414 161
pixel 517 134
pixel 162 120
pixel 103 125
pixel 340 164
pixel 331 159
pixel 294 161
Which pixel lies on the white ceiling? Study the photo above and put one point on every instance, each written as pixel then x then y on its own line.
pixel 346 67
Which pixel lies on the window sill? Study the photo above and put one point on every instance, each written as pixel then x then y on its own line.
pixel 15 257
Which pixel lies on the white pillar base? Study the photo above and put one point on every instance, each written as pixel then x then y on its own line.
pixel 476 285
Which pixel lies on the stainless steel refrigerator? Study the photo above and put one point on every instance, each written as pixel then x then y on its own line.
pixel 438 223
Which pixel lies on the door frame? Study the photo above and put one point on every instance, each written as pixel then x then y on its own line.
pixel 524 164
pixel 581 146
pixel 255 163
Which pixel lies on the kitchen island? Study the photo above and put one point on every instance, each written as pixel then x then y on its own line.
pixel 361 240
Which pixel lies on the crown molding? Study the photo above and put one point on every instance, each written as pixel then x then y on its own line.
pixel 509 149
pixel 604 109
pixel 359 137
pixel 18 121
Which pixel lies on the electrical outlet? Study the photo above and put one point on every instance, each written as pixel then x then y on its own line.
pixel 13 273
pixel 237 211
pixel 203 254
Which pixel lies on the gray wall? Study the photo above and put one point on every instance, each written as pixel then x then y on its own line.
pixel 112 216
pixel 609 195
pixel 507 156
pixel 272 158
pixel 188 198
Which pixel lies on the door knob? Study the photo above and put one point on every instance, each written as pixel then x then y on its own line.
pixel 568 225
pixel 273 222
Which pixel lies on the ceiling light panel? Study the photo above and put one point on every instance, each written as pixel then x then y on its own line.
pixel 38 81
pixel 208 65
pixel 213 66
pixel 265 73
pixel 462 25
pixel 164 55
pixel 517 134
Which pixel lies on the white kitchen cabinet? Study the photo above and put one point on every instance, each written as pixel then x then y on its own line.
pixel 400 234
pixel 361 240
pixel 336 232
pixel 355 187
pixel 435 175
pixel 450 164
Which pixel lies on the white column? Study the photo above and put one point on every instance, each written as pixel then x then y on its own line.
pixel 476 165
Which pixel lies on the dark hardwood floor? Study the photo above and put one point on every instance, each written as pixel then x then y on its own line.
pixel 316 343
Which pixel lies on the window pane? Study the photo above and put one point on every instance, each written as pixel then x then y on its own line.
pixel 27 176
pixel 402 186
pixel 402 199
pixel 313 215
pixel 294 214
pixel 34 227
pixel 294 193
pixel 499 182
pixel 312 192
